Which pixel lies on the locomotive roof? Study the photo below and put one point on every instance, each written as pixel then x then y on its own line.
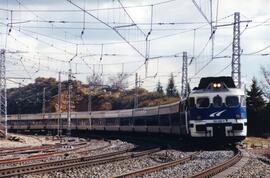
pixel 205 82
pixel 231 91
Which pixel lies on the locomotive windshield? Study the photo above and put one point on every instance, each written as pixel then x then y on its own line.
pixel 217 101
pixel 203 102
pixel 191 102
pixel 232 101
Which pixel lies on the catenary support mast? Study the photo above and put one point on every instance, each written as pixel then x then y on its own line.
pixel 59 104
pixel 136 91
pixel 3 94
pixel 69 103
pixel 184 87
pixel 236 51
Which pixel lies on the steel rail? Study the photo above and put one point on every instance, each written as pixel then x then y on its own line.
pixel 22 149
pixel 26 149
pixel 159 167
pixel 46 155
pixel 71 163
pixel 220 167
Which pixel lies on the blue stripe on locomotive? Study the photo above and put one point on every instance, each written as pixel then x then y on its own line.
pixel 229 113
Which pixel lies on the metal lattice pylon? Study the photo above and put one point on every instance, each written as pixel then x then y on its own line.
pixel 3 95
pixel 184 87
pixel 136 91
pixel 236 51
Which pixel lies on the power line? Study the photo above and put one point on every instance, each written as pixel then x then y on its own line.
pixel 114 29
pixel 216 56
pixel 92 22
pixel 111 43
pixel 53 46
pixel 133 23
pixel 90 10
pixel 37 16
pixel 222 70
pixel 258 51
pixel 260 24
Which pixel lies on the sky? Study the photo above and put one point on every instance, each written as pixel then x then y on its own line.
pixel 45 37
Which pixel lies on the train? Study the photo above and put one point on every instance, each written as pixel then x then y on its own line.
pixel 215 110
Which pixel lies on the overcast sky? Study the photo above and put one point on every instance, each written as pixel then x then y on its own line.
pixel 45 39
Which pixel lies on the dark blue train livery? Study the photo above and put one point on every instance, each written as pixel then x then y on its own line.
pixel 215 109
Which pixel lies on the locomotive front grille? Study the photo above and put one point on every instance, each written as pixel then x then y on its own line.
pixel 219 131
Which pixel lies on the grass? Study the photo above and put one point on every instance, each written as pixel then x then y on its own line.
pixel 256 141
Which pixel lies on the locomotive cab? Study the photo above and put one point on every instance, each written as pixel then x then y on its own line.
pixel 217 111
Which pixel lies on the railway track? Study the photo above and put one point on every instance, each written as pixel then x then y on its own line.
pixel 19 150
pixel 209 172
pixel 36 149
pixel 73 163
pixel 220 167
pixel 159 167
pixel 49 153
pixel 27 149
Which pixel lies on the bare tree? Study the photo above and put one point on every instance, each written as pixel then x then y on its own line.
pixel 266 84
pixel 95 79
pixel 119 81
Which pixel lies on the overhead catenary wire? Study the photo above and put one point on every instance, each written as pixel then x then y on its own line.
pixel 216 56
pixel 96 9
pixel 101 21
pixel 92 51
pixel 258 51
pixel 47 43
pixel 83 29
pixel 133 22
pixel 110 43
pixel 35 14
pixel 147 41
pixel 53 46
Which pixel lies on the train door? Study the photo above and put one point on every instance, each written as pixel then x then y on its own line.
pixel 182 113
pixel 190 104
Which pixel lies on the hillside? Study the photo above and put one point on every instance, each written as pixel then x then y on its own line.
pixel 29 99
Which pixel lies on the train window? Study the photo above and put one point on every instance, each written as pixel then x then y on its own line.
pixel 151 120
pixel 175 119
pixel 203 102
pixel 164 120
pixel 191 102
pixel 125 121
pixel 232 101
pixel 217 101
pixel 138 121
